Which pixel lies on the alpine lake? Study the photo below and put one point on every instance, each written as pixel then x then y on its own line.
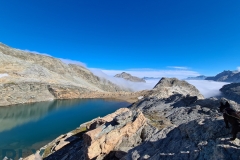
pixel 25 128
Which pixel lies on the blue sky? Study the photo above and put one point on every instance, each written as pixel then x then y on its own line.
pixel 157 35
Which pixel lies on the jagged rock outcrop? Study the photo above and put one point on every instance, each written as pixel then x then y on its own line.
pixel 108 137
pixel 167 87
pixel 129 77
pixel 231 91
pixel 43 78
pixel 226 76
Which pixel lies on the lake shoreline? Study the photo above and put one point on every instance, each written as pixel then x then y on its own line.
pixel 130 97
pixel 48 120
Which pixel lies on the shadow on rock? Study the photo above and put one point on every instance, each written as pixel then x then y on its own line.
pixel 198 139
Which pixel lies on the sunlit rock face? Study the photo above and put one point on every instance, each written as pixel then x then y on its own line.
pixel 44 78
pixel 107 137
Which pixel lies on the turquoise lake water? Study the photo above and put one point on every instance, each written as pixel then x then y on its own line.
pixel 26 128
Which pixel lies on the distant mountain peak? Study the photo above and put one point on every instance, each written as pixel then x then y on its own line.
pixel 226 76
pixel 129 77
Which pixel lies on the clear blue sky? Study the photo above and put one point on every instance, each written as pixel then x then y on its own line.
pixel 121 34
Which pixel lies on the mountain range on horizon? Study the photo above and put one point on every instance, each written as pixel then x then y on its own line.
pixel 225 76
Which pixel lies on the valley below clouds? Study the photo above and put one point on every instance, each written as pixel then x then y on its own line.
pixel 206 87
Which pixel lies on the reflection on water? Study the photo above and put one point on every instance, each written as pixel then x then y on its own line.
pixel 12 116
pixel 27 127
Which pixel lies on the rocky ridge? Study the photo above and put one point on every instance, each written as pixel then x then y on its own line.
pixel 129 77
pixel 180 126
pixel 167 87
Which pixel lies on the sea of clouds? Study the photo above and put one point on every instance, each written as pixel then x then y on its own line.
pixel 207 88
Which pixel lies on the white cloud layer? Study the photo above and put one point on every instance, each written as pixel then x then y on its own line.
pixel 208 88
pixel 134 86
pixel 142 72
pixel 238 68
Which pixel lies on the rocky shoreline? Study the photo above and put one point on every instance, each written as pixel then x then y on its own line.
pixel 30 92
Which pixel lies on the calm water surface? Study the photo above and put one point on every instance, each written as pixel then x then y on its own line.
pixel 25 128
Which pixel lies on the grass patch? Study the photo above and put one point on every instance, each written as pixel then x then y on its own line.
pixel 47 151
pixel 157 121
pixel 78 132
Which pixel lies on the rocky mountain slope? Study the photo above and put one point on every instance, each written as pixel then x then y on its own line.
pixel 232 91
pixel 181 126
pixel 226 76
pixel 129 77
pixel 27 77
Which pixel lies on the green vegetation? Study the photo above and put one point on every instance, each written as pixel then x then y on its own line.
pixel 79 130
pixel 157 121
